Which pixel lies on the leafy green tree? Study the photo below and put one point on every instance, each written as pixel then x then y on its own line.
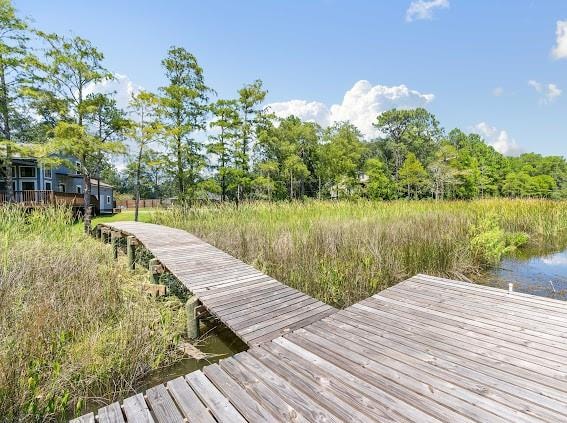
pixel 144 130
pixel 516 184
pixel 538 165
pixel 380 186
pixel 291 146
pixel 341 156
pixel 542 186
pixel 487 167
pixel 413 177
pixel 250 97
pixel 153 181
pixel 265 181
pixel 226 121
pixel 14 64
pixel 184 106
pixel 443 171
pixel 108 122
pixel 69 68
pixel 412 130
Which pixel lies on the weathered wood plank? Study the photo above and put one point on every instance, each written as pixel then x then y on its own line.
pixel 347 387
pixel 271 401
pixel 439 363
pixel 136 409
pixel 415 373
pixel 392 404
pixel 320 394
pixel 242 401
pixel 308 408
pixel 218 405
pixel 188 402
pixel 112 413
pixel 87 418
pixel 162 405
pixel 457 334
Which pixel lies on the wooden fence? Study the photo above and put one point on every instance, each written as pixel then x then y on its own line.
pixel 146 203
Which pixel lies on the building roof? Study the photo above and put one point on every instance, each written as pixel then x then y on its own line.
pixel 94 183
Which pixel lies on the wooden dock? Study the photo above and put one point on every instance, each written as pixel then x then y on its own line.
pixel 425 350
pixel 256 307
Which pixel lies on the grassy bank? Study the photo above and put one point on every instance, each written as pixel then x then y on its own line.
pixel 342 252
pixel 74 326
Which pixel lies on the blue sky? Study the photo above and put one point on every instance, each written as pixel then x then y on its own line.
pixel 484 66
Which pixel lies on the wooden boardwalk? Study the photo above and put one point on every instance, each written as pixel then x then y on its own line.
pixel 425 350
pixel 256 307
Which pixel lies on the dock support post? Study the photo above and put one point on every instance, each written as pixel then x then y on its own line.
pixel 192 319
pixel 156 269
pixel 131 243
pixel 105 232
pixel 114 237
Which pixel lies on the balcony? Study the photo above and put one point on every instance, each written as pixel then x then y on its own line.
pixel 34 198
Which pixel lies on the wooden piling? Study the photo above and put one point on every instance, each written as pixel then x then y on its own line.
pixel 105 235
pixel 131 243
pixel 192 319
pixel 156 269
pixel 114 238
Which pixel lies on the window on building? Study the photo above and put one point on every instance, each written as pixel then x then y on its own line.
pixel 108 199
pixel 47 172
pixel 28 185
pixel 27 172
pixel 13 171
pixel 79 189
pixel 48 186
pixel 62 188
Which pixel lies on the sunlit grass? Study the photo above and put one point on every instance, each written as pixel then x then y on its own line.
pixel 128 215
pixel 342 252
pixel 74 324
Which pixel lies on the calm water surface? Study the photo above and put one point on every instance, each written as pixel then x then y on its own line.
pixel 532 273
pixel 219 343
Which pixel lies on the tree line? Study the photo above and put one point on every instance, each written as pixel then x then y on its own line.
pixel 187 143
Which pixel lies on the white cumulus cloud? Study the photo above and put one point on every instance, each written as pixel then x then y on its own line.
pixel 498 92
pixel 311 111
pixel 549 92
pixel 361 105
pixel 121 86
pixel 423 9
pixel 559 51
pixel 498 138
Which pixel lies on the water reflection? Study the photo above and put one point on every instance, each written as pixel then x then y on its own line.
pixel 219 342
pixel 544 275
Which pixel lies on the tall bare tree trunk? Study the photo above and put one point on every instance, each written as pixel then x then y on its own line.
pixel 87 201
pixel 7 133
pixel 139 165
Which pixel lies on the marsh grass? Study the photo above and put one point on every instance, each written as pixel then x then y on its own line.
pixel 75 327
pixel 342 252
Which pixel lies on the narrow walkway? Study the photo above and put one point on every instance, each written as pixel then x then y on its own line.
pixel 256 307
pixel 425 350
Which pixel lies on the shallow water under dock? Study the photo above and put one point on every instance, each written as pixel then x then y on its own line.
pixel 218 343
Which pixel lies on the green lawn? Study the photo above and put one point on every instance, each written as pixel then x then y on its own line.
pixel 144 216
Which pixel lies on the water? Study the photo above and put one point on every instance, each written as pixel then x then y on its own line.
pixel 533 273
pixel 219 342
